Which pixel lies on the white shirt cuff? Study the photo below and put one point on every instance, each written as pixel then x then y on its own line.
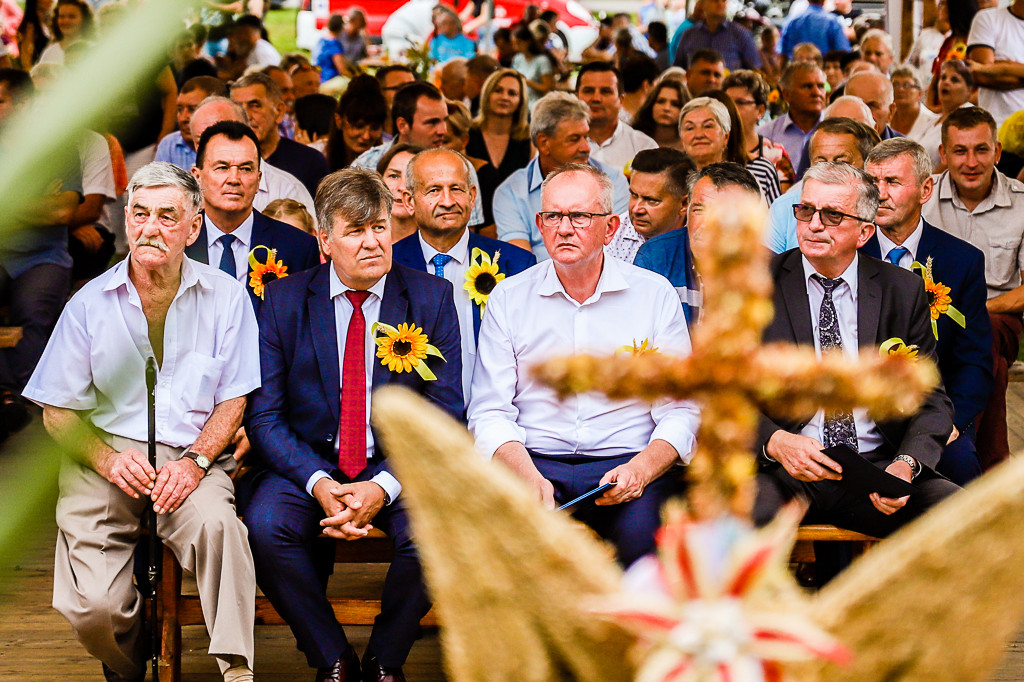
pixel 678 435
pixel 317 475
pixel 390 484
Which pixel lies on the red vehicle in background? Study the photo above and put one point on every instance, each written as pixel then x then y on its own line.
pixel 578 24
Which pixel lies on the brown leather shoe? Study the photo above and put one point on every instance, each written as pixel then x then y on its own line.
pixel 111 676
pixel 345 669
pixel 373 671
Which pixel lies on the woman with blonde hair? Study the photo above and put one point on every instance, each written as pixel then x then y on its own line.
pixel 500 134
pixel 459 124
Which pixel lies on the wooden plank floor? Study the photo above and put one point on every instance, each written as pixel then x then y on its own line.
pixel 37 644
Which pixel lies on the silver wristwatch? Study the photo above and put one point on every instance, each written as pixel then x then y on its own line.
pixel 915 467
pixel 202 461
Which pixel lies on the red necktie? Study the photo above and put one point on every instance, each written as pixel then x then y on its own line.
pixel 352 429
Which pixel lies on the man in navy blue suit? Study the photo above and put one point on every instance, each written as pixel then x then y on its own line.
pixel 902 172
pixel 439 191
pixel 310 425
pixel 228 170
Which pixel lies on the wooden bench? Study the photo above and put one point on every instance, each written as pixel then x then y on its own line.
pixel 807 535
pixel 176 610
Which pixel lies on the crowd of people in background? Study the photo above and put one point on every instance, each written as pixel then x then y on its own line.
pixel 584 174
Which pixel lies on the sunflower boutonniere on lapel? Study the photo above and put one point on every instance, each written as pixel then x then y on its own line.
pixel 266 272
pixel 898 348
pixel 939 301
pixel 483 275
pixel 404 349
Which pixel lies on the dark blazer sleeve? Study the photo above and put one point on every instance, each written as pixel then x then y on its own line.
pixel 446 392
pixel 267 421
pixel 926 432
pixel 968 372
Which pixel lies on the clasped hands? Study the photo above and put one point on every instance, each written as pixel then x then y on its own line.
pixel 167 486
pixel 349 507
pixel 803 459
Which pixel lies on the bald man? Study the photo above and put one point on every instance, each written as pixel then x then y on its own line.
pixel 875 89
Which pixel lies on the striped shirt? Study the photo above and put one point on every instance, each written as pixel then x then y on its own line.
pixel 767 177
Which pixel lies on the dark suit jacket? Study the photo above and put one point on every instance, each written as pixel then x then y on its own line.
pixel 513 260
pixel 964 355
pixel 890 303
pixel 292 419
pixel 295 248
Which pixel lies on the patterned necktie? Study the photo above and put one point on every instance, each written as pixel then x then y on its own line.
pixel 439 261
pixel 352 428
pixel 839 426
pixel 895 255
pixel 227 256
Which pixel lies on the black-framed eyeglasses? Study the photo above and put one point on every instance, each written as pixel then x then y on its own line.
pixel 577 219
pixel 829 216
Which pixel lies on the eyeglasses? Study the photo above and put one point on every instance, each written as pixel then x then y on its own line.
pixel 578 219
pixel 829 216
pixel 904 85
pixel 744 102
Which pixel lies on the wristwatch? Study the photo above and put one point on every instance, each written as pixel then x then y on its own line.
pixel 915 467
pixel 202 461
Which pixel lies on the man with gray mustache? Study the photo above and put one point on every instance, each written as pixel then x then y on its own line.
pixel 195 321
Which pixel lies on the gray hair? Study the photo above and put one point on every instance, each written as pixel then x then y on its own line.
pixel 163 174
pixel 412 182
pixel 554 108
pixel 356 195
pixel 269 84
pixel 898 146
pixel 865 110
pixel 844 174
pixel 606 194
pixel 908 72
pixel 235 106
pixel 876 34
pixel 786 80
pixel 718 110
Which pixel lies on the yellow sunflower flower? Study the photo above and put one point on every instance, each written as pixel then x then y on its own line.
pixel 264 273
pixel 897 347
pixel 938 297
pixel 404 349
pixel 481 278
pixel 644 348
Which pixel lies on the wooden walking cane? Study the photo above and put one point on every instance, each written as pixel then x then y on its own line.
pixel 154 540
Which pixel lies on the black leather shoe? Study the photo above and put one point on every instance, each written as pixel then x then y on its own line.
pixel 110 676
pixel 345 669
pixel 373 671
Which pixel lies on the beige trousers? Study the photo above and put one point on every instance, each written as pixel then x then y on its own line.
pixel 98 529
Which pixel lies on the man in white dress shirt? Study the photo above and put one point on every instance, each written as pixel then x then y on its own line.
pixel 582 302
pixel 195 321
pixel 613 142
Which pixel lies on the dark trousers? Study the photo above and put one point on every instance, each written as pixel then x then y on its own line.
pixel 831 503
pixel 292 569
pixel 993 445
pixel 630 526
pixel 36 299
pixel 959 462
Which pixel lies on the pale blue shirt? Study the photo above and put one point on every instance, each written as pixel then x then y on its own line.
pixel 517 203
pixel 95 360
pixel 342 316
pixel 844 298
pixel 173 149
pixel 780 235
pixel 240 247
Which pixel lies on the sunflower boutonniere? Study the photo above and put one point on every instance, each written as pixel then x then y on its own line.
pixel 939 301
pixel 483 275
pixel 897 347
pixel 404 349
pixel 644 348
pixel 266 272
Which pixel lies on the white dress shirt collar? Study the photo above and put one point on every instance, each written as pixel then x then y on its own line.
pixel 911 243
pixel 337 288
pixel 190 276
pixel 849 275
pixel 459 252
pixel 242 233
pixel 611 280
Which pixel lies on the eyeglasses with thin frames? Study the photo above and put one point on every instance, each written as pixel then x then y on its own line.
pixel 829 216
pixel 578 219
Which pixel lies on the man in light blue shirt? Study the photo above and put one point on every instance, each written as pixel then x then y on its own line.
pixel 559 132
pixel 803 88
pixel 179 148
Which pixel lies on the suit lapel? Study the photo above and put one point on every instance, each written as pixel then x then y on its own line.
pixel 259 236
pixel 869 302
pixel 927 244
pixel 394 310
pixel 474 241
pixel 794 297
pixel 320 309
pixel 873 248
pixel 199 249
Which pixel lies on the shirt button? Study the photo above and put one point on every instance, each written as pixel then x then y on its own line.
pixel 329 438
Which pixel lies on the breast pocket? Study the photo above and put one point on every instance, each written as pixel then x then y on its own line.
pixel 197 380
pixel 1001 261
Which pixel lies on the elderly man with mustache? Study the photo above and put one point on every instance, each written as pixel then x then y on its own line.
pixel 195 321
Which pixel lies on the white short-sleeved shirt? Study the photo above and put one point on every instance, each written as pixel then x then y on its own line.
pixel 530 318
pixel 1001 30
pixel 98 173
pixel 95 361
pixel 619 149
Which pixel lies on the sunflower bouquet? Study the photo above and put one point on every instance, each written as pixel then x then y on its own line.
pixel 939 301
pixel 481 278
pixel 404 349
pixel 266 272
